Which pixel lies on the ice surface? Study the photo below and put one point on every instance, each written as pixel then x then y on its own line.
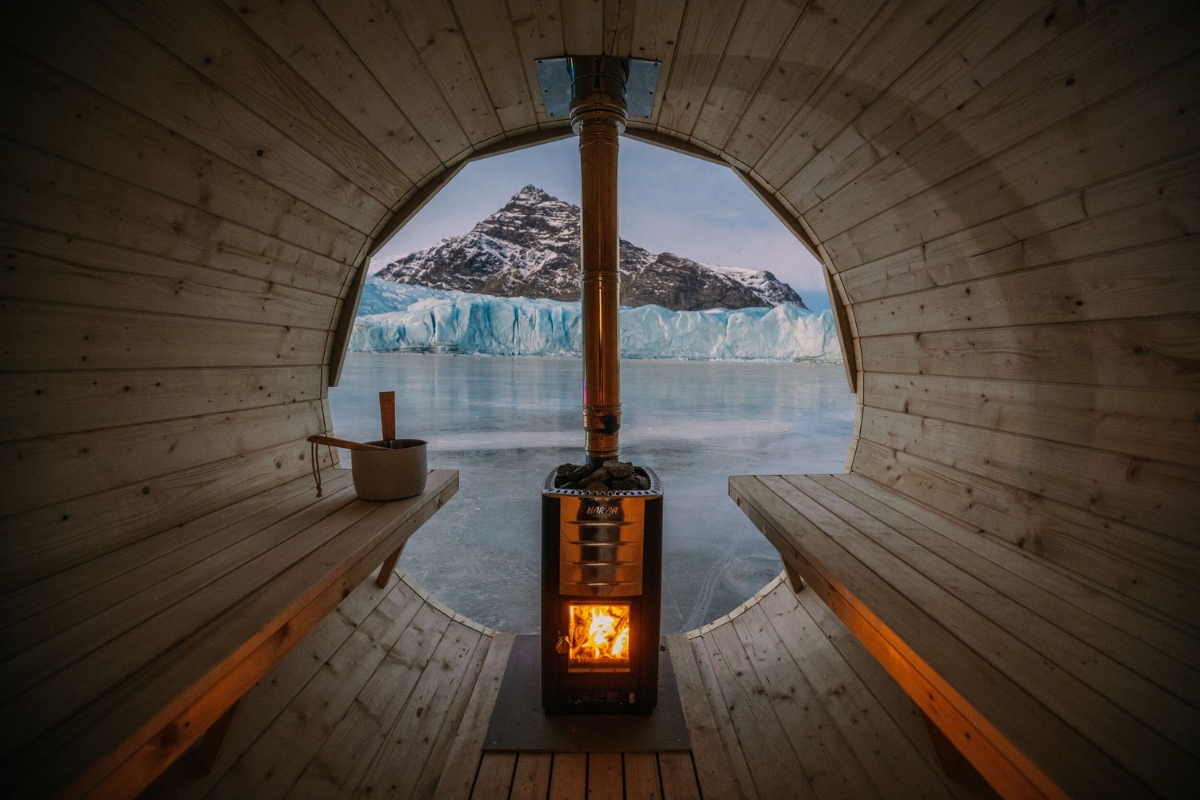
pixel 396 317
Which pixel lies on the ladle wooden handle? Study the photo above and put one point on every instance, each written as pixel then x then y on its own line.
pixel 346 443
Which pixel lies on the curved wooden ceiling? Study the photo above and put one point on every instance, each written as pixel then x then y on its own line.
pixel 1004 194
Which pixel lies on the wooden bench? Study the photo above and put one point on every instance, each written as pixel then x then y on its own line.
pixel 1051 685
pixel 110 670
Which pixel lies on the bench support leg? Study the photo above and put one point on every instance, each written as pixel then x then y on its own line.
pixel 794 579
pixel 385 572
pixel 947 754
pixel 210 746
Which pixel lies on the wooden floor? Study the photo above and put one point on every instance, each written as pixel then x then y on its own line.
pixel 391 696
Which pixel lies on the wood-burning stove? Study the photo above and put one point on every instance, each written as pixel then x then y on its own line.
pixel 601 591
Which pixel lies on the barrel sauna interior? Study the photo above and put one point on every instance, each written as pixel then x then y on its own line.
pixel 1003 194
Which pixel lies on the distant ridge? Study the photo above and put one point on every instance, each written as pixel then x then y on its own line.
pixel 530 248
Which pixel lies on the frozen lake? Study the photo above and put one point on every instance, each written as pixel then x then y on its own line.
pixel 504 423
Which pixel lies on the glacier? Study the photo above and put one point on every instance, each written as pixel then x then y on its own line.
pixel 395 317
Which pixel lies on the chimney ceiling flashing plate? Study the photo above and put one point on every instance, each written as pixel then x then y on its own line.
pixel 554 77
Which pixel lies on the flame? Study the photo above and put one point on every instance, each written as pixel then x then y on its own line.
pixel 599 633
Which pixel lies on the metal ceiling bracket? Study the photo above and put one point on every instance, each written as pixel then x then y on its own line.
pixel 556 76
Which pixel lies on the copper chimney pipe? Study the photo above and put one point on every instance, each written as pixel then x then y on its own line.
pixel 598 117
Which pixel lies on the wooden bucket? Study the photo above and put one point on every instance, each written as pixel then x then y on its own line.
pixel 392 474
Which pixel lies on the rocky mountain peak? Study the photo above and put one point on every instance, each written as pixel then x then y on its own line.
pixel 530 248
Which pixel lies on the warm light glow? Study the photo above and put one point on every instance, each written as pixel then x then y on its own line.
pixel 599 634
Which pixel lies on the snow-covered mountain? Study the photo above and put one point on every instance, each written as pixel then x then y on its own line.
pixel 395 317
pixel 530 248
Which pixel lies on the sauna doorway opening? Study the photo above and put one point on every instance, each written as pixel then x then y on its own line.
pixel 505 420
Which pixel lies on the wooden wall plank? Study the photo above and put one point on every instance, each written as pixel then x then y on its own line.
pixel 53 538
pixel 47 471
pixel 1081 150
pixel 618 27
pixel 761 30
pixel 111 139
pixel 39 191
pixel 488 33
pixel 809 55
pixel 707 26
pixel 1169 646
pixel 583 27
pixel 1155 570
pixel 443 49
pixel 1160 203
pixel 48 337
pixel 888 45
pixel 41 404
pixel 375 36
pixel 1031 98
pixel 655 35
pixel 303 37
pixel 1149 424
pixel 1143 282
pixel 537 26
pixel 164 287
pixel 988 42
pixel 104 53
pixel 1137 491
pixel 1145 353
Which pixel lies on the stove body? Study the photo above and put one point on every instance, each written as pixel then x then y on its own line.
pixel 601 592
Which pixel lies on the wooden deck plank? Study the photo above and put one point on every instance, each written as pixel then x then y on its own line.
pixel 263 704
pixel 740 769
pixel 894 765
pixel 443 728
pixel 716 774
pixel 285 748
pixel 678 774
pixel 531 780
pixel 817 742
pixel 396 768
pixel 773 766
pixel 641 777
pixel 568 777
pixel 495 777
pixel 605 777
pixel 457 776
pixel 347 753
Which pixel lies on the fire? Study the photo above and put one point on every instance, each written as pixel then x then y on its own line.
pixel 599 633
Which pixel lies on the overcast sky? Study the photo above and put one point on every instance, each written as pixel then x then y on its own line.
pixel 669 202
